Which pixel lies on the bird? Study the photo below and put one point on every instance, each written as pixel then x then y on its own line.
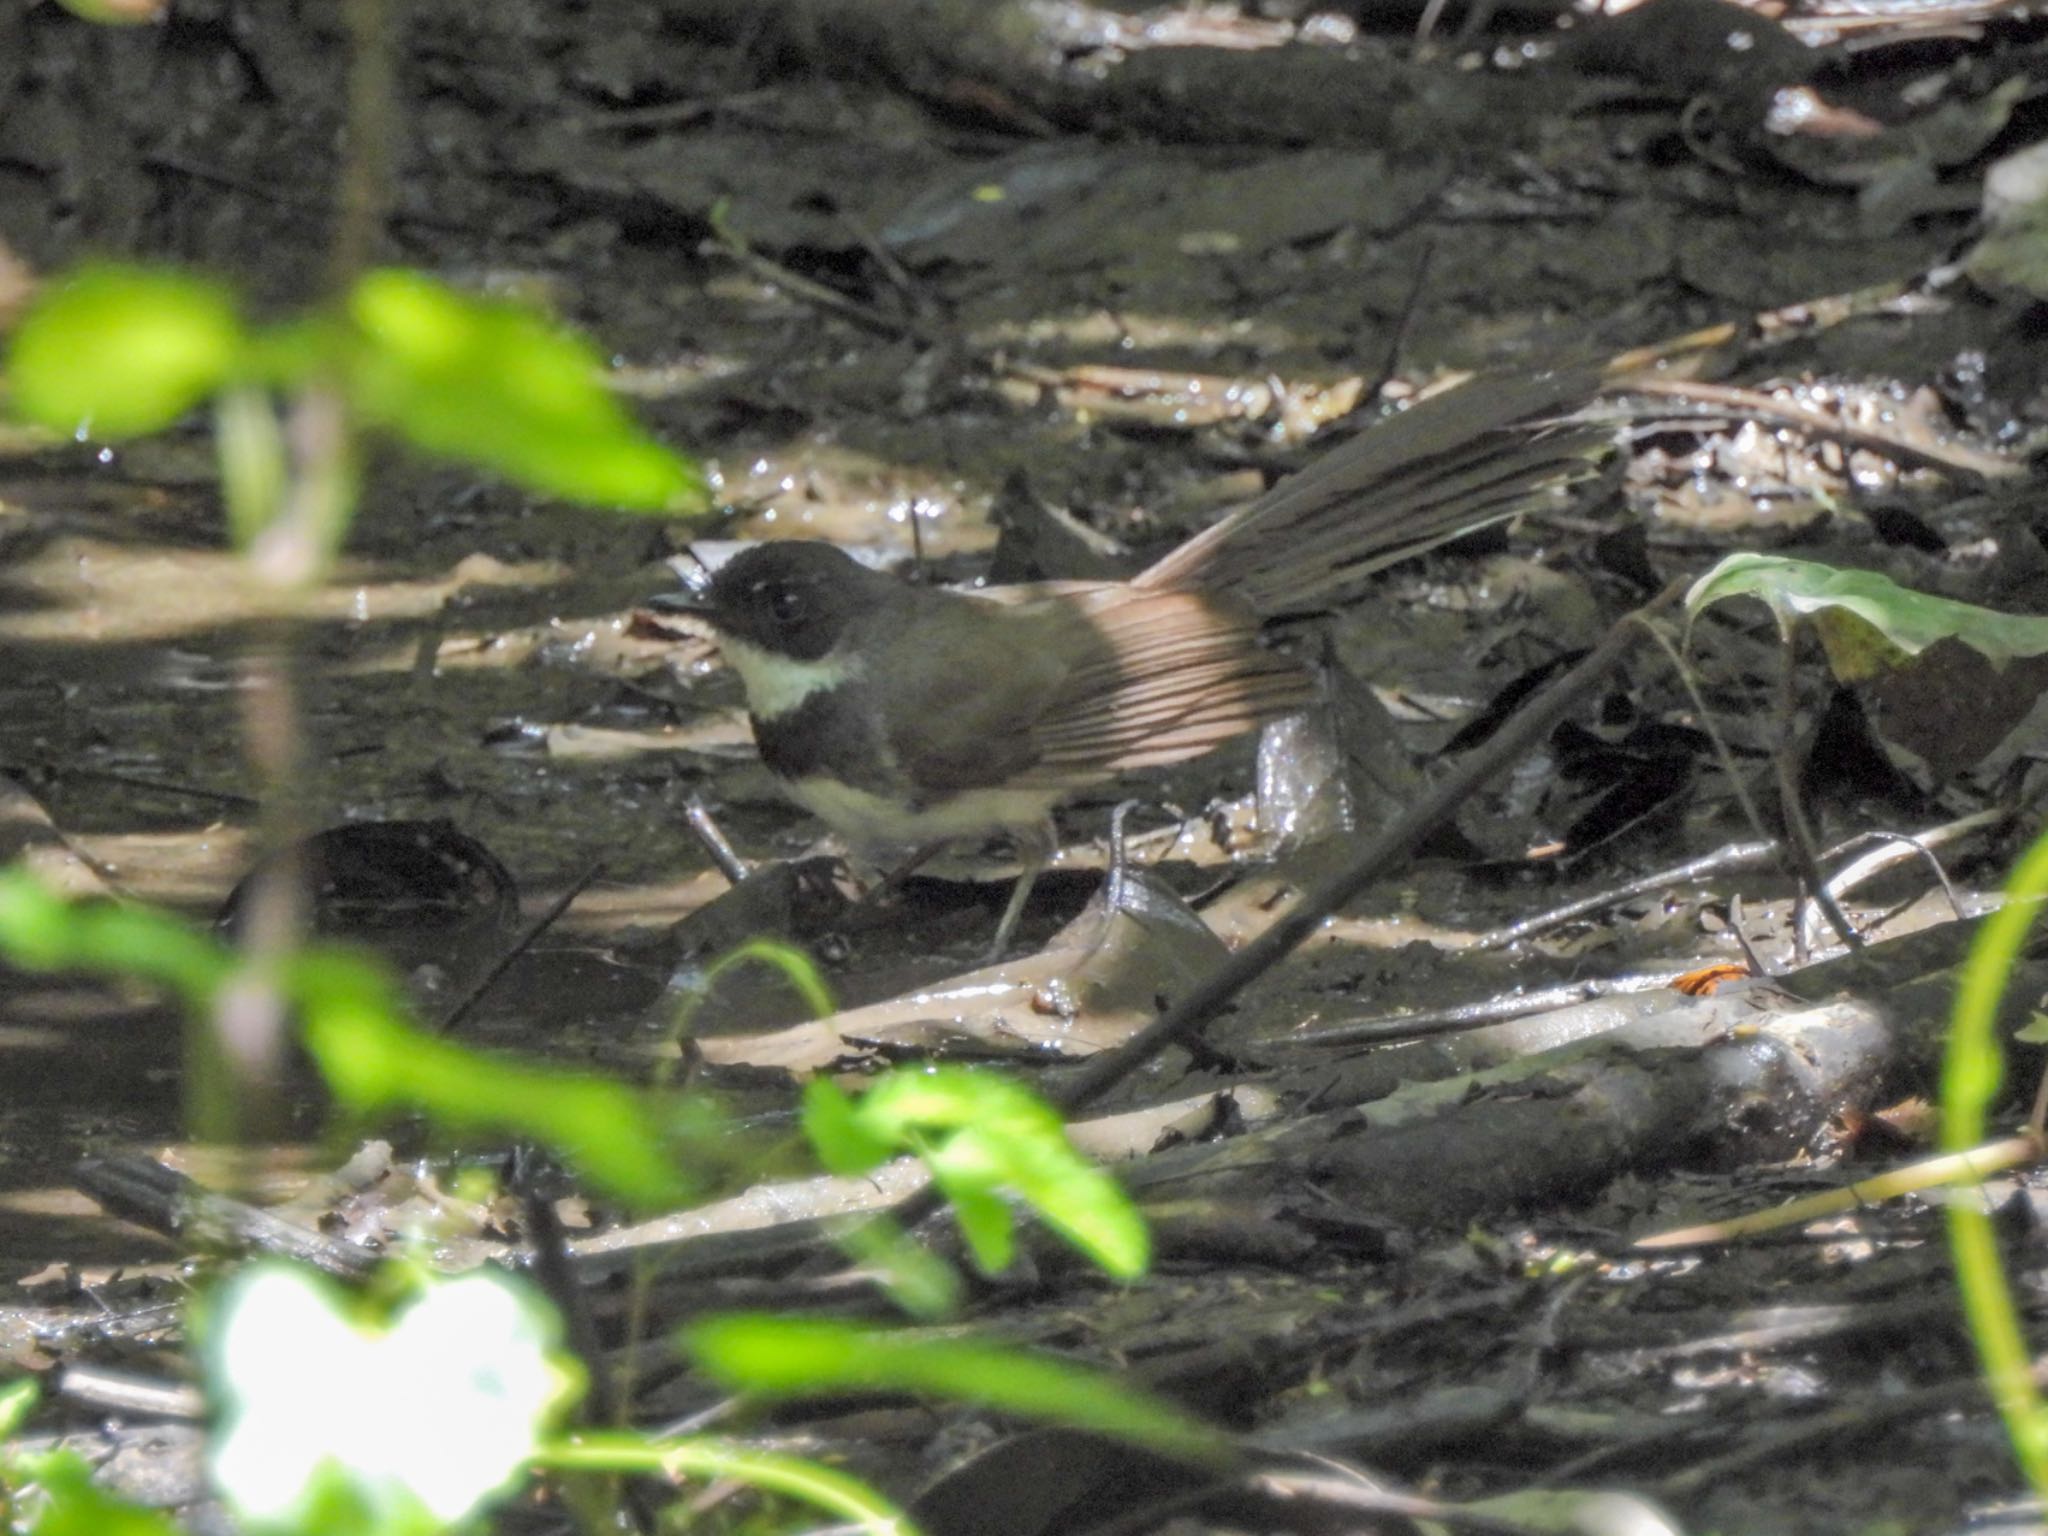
pixel 910 716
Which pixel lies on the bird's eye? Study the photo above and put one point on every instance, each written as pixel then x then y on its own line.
pixel 788 605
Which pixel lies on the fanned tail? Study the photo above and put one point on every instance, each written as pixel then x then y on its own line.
pixel 1457 461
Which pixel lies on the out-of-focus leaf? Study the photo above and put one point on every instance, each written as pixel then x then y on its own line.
pixel 355 1026
pixel 17 1402
pixel 984 1217
pixel 833 1123
pixel 374 1061
pixel 498 385
pixel 119 13
pixel 254 467
pixel 699 1456
pixel 916 1279
pixel 795 967
pixel 400 1424
pixel 1910 620
pixel 984 1134
pixel 1972 1069
pixel 41 931
pixel 789 1357
pixel 77 1506
pixel 112 351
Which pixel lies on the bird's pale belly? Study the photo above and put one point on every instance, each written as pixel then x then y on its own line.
pixel 869 820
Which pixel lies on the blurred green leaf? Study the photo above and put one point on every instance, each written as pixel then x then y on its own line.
pixel 1910 620
pixel 982 1135
pixel 789 1357
pixel 254 466
pixel 118 13
pixel 76 1506
pixel 916 1279
pixel 833 1123
pixel 355 1026
pixel 17 1402
pixel 42 931
pixel 985 1221
pixel 112 351
pixel 374 1061
pixel 795 967
pixel 710 1459
pixel 1972 1070
pixel 498 385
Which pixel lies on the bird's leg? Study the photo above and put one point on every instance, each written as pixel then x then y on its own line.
pixel 892 880
pixel 1034 851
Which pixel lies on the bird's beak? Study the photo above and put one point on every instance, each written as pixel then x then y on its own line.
pixel 693 599
pixel 687 602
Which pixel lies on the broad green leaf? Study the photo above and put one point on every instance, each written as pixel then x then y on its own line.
pixel 374 1061
pixel 355 1027
pixel 496 384
pixel 332 1414
pixel 41 931
pixel 788 1357
pixel 113 351
pixel 1910 620
pixel 983 1134
pixel 984 1217
pixel 841 1138
pixel 77 1506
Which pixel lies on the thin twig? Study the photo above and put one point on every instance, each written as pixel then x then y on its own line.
pixel 525 941
pixel 1733 857
pixel 1798 834
pixel 1520 732
pixel 1952 457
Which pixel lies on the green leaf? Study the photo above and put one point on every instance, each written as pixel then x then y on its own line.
pixel 355 1026
pixel 375 1061
pixel 795 967
pixel 916 1279
pixel 498 385
pixel 118 13
pixel 2034 1031
pixel 983 1134
pixel 720 1460
pixel 17 1402
pixel 41 931
pixel 1910 620
pixel 984 1217
pixel 836 1130
pixel 77 1506
pixel 112 351
pixel 1971 1071
pixel 788 1357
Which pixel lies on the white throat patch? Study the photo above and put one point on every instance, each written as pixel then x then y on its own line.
pixel 778 684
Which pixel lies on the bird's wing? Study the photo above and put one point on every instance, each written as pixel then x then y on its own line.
pixel 1167 676
pixel 966 692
